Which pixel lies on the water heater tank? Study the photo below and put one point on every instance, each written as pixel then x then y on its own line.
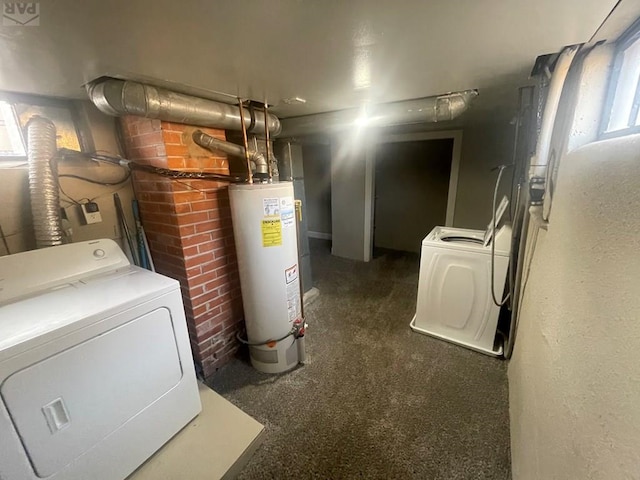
pixel 264 227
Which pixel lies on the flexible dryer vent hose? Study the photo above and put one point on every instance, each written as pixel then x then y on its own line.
pixel 43 182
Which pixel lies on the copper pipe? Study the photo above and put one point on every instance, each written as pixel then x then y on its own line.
pixel 266 136
pixel 298 210
pixel 246 142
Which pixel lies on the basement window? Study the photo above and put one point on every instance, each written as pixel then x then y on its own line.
pixel 623 105
pixel 15 112
pixel 11 141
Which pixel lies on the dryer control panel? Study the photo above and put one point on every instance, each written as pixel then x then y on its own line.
pixel 26 273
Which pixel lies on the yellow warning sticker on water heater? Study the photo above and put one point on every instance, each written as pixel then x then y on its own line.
pixel 271 232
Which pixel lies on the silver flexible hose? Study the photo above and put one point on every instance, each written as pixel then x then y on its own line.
pixel 43 182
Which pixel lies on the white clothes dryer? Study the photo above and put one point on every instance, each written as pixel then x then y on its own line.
pixel 96 371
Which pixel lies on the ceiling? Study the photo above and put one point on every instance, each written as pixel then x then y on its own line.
pixel 333 53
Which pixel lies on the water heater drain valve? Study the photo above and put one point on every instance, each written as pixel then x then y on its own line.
pixel 299 328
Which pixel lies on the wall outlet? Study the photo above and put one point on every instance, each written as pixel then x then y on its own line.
pixel 90 213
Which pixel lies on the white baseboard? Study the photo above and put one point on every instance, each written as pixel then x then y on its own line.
pixel 320 235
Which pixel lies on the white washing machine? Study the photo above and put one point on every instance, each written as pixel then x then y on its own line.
pixel 454 287
pixel 96 372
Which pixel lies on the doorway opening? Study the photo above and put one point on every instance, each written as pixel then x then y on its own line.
pixel 415 177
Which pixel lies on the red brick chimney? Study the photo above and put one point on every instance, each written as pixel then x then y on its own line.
pixel 188 225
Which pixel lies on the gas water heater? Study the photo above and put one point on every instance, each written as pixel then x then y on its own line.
pixel 264 227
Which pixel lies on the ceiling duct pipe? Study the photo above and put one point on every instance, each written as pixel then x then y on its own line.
pixel 423 110
pixel 123 97
pixel 43 182
pixel 212 143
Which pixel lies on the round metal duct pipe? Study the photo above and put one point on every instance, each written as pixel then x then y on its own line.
pixel 211 143
pixel 123 97
pixel 43 182
pixel 430 109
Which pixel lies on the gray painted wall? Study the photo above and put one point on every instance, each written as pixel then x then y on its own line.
pixel 484 145
pixel 317 184
pixel 348 186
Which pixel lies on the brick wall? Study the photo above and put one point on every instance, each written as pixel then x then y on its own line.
pixel 188 225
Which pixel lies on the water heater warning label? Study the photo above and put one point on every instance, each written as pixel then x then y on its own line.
pixel 286 212
pixel 271 232
pixel 291 274
pixel 271 207
pixel 293 293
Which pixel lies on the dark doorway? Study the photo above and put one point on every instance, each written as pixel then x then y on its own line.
pixel 317 184
pixel 411 192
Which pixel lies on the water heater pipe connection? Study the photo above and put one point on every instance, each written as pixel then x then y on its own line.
pixel 257 161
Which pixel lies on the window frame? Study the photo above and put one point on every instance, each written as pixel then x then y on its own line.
pixel 15 156
pixel 626 40
pixel 85 140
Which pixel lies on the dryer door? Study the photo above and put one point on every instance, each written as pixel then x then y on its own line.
pixel 68 403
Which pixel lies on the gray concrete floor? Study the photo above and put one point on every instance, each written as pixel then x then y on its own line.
pixel 375 400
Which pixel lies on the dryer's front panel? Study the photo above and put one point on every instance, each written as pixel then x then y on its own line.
pixel 67 404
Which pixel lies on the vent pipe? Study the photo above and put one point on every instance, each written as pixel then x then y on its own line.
pixel 122 97
pixel 431 109
pixel 540 159
pixel 212 143
pixel 43 182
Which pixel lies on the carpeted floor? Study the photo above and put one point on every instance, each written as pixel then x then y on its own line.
pixel 374 400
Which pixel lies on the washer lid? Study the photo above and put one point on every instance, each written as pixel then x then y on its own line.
pixel 462 239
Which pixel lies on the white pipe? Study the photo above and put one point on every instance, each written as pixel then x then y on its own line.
pixel 540 160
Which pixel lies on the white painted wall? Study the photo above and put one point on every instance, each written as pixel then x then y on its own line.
pixel 574 379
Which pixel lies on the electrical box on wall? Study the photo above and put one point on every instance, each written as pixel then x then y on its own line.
pixel 90 213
